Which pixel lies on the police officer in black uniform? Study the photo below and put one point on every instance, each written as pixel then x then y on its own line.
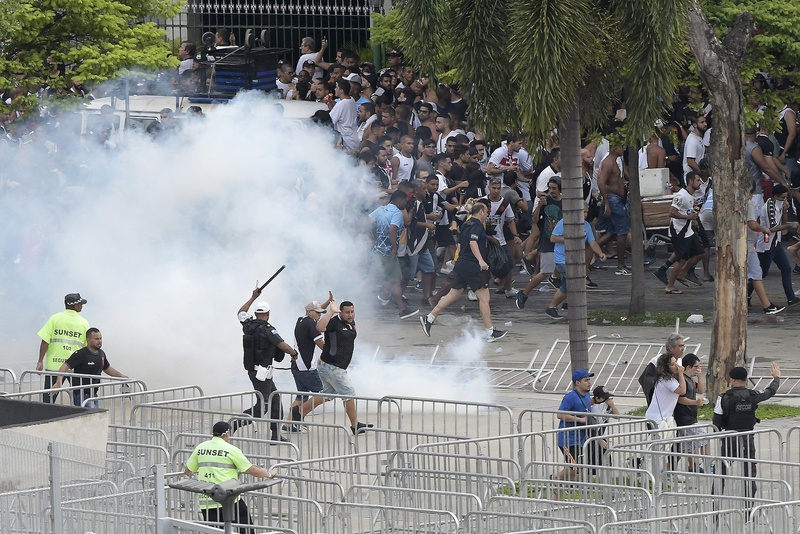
pixel 736 410
pixel 262 345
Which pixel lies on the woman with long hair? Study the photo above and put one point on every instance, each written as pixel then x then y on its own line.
pixel 670 384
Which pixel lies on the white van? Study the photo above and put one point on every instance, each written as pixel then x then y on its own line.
pixel 143 110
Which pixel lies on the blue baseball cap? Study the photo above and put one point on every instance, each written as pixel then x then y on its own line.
pixel 580 374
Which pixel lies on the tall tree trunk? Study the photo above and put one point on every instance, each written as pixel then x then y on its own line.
pixel 720 65
pixel 637 305
pixel 574 237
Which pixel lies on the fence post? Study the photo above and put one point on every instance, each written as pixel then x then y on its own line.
pixel 160 501
pixel 55 488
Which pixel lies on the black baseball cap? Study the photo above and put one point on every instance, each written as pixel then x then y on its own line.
pixel 221 427
pixel 738 373
pixel 73 299
pixel 600 392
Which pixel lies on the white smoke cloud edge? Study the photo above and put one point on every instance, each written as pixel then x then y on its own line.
pixel 166 240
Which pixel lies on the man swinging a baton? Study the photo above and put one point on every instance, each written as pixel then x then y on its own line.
pixel 262 345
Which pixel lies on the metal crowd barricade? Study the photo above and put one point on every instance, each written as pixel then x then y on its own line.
pixel 536 445
pixel 719 522
pixel 196 414
pixel 616 364
pixel 483 485
pixel 441 416
pixel 318 440
pixel 595 513
pixel 378 439
pixel 347 470
pixel 284 511
pixel 121 513
pixel 333 413
pixel 141 456
pixel 486 522
pixel 775 518
pixel 541 419
pixel 348 517
pixel 730 474
pixel 31 380
pixel 8 381
pixel 119 405
pixel 459 503
pixel 500 446
pixel 424 460
pixel 63 395
pixel 323 492
pixel 138 435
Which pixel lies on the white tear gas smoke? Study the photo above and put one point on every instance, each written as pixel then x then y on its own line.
pixel 167 238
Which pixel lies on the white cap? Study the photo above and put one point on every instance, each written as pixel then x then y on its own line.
pixel 353 77
pixel 262 307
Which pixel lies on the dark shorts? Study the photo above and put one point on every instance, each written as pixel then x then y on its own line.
pixel 687 247
pixel 562 270
pixel 306 381
pixel 701 231
pixel 444 237
pixel 472 280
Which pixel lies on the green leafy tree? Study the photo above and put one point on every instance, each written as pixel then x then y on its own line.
pixel 61 43
pixel 537 64
pixel 731 42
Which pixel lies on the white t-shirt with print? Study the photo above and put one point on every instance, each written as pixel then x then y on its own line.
pixel 664 400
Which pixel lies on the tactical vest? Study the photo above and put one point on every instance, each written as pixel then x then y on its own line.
pixel 739 409
pixel 257 348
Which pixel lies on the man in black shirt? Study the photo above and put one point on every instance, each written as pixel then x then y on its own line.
pixel 471 270
pixel 339 327
pixel 304 369
pixel 262 345
pixel 90 360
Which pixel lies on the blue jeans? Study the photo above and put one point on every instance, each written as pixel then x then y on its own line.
pixel 80 395
pixel 778 256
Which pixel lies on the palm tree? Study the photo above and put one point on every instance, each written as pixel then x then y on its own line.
pixel 537 64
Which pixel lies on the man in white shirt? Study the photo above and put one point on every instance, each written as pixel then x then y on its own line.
pixel 685 242
pixel 694 149
pixel 344 116
pixel 307 46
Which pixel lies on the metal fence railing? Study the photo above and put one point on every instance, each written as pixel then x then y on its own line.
pixel 342 22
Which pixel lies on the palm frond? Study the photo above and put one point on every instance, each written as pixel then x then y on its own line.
pixel 550 45
pixel 653 34
pixel 422 25
pixel 478 34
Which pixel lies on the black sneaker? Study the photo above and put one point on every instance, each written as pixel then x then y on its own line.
pixel 794 302
pixel 590 284
pixel 296 413
pixel 692 278
pixel 772 309
pixel 426 325
pixel 495 335
pixel 521 299
pixel 418 286
pixel 796 269
pixel 552 312
pixel 565 306
pixel 661 274
pixel 408 312
pixel 360 428
pixel 554 282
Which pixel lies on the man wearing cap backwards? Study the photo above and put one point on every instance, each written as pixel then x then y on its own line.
pixel 736 410
pixel 307 338
pixel 216 461
pixel 63 334
pixel 262 345
pixel 571 441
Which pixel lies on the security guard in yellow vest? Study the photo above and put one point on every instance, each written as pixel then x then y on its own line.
pixel 62 335
pixel 216 461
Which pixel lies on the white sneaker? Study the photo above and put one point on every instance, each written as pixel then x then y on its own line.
pixel 511 293
pixel 472 296
pixel 445 270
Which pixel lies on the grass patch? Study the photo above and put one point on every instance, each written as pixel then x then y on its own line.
pixel 764 412
pixel 621 318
